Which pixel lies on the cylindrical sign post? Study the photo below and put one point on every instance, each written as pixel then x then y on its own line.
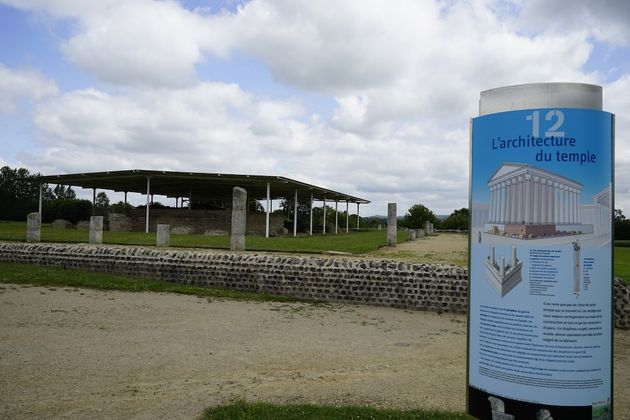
pixel 540 301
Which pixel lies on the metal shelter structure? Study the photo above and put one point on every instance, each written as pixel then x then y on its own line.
pixel 205 186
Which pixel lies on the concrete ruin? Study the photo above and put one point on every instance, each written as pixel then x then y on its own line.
pixel 239 219
pixel 392 228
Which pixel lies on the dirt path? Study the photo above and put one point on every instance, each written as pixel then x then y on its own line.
pixel 71 353
pixel 443 248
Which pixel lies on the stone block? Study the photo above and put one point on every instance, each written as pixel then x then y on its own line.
pixel 83 224
pixel 96 230
pixel 163 235
pixel 62 224
pixel 392 227
pixel 239 219
pixel 33 227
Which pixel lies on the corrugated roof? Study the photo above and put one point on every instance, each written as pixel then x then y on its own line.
pixel 199 185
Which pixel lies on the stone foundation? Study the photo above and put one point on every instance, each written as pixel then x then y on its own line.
pixel 192 221
pixel 359 281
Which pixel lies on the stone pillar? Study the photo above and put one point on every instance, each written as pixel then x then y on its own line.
pixel 556 216
pixel 515 201
pixel 520 202
pixel 163 235
pixel 578 197
pixel 536 201
pixel 421 233
pixel 391 224
pixel 96 229
pixel 528 198
pixel 492 202
pixel 501 215
pixel 239 219
pixel 412 234
pixel 33 227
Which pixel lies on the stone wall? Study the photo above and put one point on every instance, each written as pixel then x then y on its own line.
pixel 193 221
pixel 358 281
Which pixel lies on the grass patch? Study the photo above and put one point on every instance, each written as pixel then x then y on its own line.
pixel 353 242
pixel 52 276
pixel 622 263
pixel 264 411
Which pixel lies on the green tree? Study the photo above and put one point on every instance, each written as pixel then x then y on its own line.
pixel 417 216
pixel 61 192
pixel 102 201
pixel 19 195
pixel 622 225
pixel 456 220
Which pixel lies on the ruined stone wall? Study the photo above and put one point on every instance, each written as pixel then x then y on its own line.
pixel 193 221
pixel 359 281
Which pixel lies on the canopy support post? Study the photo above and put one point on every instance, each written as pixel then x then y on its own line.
pixel 310 228
pixel 268 210
pixel 336 217
pixel 295 211
pixel 146 219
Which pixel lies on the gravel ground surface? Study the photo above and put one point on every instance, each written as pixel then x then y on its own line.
pixel 78 353
pixel 74 353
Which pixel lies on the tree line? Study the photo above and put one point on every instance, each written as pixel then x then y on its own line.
pixel 20 196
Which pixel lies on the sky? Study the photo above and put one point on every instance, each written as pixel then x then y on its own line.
pixel 370 98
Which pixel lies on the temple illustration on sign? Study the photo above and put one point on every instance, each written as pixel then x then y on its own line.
pixel 527 202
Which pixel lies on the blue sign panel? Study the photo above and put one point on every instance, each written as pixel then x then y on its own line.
pixel 541 265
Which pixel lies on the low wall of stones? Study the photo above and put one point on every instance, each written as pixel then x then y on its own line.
pixel 358 281
pixel 193 221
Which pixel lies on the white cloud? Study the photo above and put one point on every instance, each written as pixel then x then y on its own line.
pixel 414 60
pixel 404 78
pixel 139 43
pixel 17 86
pixel 617 101
pixel 136 43
pixel 606 20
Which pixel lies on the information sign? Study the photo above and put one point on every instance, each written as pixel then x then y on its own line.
pixel 540 326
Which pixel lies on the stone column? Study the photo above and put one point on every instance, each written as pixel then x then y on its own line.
pixel 391 224
pixel 163 235
pixel 528 198
pixel 520 202
pixel 239 219
pixel 541 202
pixel 412 234
pixel 510 200
pixel 33 227
pixel 551 203
pixel 536 201
pixel 503 202
pixel 572 206
pixel 493 202
pixel 578 218
pixel 564 209
pixel 556 202
pixel 96 229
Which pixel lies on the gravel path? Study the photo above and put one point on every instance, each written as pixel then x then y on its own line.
pixel 75 353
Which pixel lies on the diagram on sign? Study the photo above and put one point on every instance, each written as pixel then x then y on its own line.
pixel 527 202
pixel 501 276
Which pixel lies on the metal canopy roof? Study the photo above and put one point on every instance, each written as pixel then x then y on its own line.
pixel 198 185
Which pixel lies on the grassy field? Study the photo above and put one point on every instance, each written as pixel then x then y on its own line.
pixel 622 263
pixel 264 411
pixel 354 242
